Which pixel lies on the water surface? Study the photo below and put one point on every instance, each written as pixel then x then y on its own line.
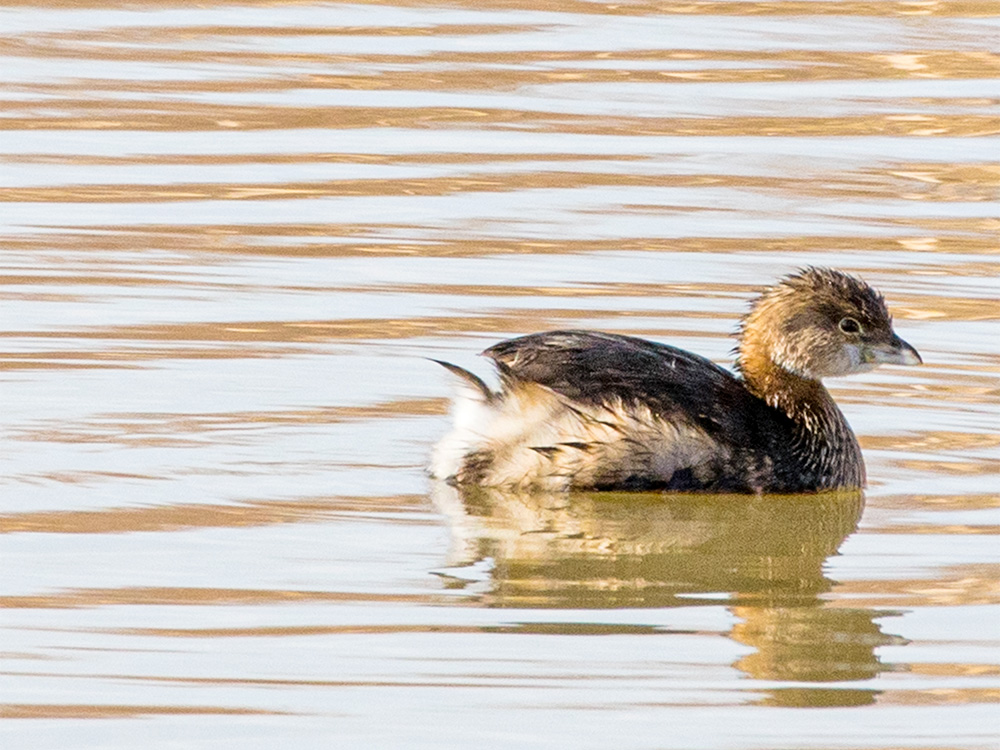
pixel 233 233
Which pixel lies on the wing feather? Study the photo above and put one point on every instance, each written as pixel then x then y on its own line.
pixel 599 369
pixel 599 410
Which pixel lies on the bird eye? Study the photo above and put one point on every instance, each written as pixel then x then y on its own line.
pixel 850 325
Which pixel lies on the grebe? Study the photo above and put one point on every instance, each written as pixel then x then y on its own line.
pixel 590 410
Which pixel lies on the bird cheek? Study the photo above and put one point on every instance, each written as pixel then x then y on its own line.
pixel 854 359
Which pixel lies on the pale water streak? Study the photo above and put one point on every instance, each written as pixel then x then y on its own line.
pixel 232 233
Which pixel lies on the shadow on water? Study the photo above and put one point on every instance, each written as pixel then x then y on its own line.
pixel 761 556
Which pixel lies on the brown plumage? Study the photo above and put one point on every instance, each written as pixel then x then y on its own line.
pixel 581 409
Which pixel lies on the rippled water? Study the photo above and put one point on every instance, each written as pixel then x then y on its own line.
pixel 231 235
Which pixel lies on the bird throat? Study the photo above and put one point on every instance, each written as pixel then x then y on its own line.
pixel 823 443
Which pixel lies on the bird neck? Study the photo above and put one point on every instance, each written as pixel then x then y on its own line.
pixel 787 391
pixel 821 441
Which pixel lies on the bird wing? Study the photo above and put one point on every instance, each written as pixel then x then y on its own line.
pixel 599 369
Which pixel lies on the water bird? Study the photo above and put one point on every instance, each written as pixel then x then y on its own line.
pixel 599 411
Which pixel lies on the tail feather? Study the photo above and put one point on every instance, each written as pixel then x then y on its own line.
pixel 473 411
pixel 469 378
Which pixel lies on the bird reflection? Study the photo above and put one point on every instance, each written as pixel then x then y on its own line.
pixel 762 556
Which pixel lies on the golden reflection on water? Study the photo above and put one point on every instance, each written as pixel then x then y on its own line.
pixel 963 8
pixel 313 241
pixel 188 516
pixel 91 711
pixel 550 548
pixel 233 232
pixel 938 184
pixel 763 557
pixel 174 118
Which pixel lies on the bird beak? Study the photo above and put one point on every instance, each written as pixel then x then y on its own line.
pixel 894 352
